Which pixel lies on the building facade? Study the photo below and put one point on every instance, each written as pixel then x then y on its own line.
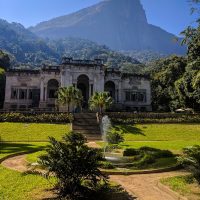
pixel 36 89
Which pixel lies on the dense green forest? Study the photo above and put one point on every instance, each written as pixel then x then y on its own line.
pixel 84 49
pixel 4 64
pixel 144 57
pixel 25 49
pixel 176 80
pixel 23 45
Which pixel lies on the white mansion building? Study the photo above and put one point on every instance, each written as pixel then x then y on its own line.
pixel 36 89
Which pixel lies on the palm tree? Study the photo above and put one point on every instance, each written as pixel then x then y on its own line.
pixel 69 96
pixel 100 101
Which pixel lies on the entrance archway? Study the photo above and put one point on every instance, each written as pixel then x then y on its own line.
pixel 110 88
pixel 83 86
pixel 52 88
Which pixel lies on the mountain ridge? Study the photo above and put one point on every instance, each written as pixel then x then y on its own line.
pixel 119 24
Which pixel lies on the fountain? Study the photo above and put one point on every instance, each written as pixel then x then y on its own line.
pixel 116 159
pixel 105 127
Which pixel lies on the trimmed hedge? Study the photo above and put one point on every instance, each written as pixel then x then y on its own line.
pixel 36 118
pixel 145 156
pixel 131 118
pixel 131 152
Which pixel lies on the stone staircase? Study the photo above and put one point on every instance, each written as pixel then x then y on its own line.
pixel 86 123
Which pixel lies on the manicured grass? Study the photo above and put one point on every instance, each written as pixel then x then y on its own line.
pixel 33 157
pixel 175 146
pixel 17 186
pixel 12 148
pixel 184 185
pixel 162 136
pixel 163 163
pixel 20 132
pixel 160 132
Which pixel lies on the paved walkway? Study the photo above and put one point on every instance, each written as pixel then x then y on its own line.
pixel 144 186
pixel 17 163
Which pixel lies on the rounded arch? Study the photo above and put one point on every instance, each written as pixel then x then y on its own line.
pixel 83 86
pixel 110 88
pixel 52 88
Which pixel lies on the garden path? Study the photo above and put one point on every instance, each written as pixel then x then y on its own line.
pixel 17 163
pixel 144 186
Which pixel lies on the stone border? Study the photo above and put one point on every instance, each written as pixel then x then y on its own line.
pixel 153 171
pixel 169 191
pixel 169 169
pixel 173 168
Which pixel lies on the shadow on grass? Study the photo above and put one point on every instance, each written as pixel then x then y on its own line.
pixel 129 129
pixel 11 148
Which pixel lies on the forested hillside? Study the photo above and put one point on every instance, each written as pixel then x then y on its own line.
pixel 85 49
pixel 29 51
pixel 176 80
pixel 24 45
pixel 145 56
pixel 4 64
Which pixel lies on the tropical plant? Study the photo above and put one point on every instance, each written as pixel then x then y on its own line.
pixel 100 101
pixel 114 137
pixel 191 160
pixel 69 96
pixel 75 166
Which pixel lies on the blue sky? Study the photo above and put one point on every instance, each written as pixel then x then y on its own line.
pixel 172 15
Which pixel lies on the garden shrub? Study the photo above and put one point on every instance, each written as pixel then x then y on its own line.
pixel 163 154
pixel 131 118
pixel 145 160
pixel 191 160
pixel 106 165
pixel 145 156
pixel 130 152
pixel 157 152
pixel 36 118
pixel 112 147
pixel 114 137
pixel 75 165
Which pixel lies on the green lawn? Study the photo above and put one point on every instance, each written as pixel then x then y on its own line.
pixel 20 187
pixel 160 132
pixel 162 136
pixel 22 132
pixel 33 157
pixel 184 185
pixel 12 148
pixel 17 186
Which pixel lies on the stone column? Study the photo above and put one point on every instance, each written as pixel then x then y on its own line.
pixel 120 92
pixel 94 85
pixel 42 90
pixel 89 90
pixel 62 78
pixel 117 95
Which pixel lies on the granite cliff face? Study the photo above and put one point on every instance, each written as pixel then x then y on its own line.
pixel 120 24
